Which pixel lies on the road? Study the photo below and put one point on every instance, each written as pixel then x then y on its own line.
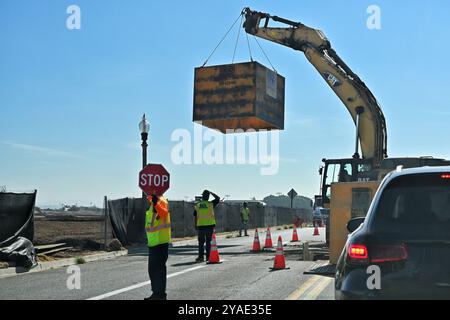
pixel 241 276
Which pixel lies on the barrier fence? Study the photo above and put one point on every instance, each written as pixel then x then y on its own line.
pixel 124 219
pixel 128 220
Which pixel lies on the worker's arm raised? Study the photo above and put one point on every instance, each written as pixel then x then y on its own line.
pixel 216 200
pixel 161 206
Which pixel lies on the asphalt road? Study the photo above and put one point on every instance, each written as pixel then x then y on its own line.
pixel 241 275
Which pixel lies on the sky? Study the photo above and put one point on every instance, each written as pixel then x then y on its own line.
pixel 71 100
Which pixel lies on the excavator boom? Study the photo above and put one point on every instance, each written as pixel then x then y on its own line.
pixel 351 90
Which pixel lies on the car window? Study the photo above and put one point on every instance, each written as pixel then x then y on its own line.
pixel 415 206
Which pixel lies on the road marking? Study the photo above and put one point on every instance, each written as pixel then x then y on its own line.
pixel 305 286
pixel 317 290
pixel 142 284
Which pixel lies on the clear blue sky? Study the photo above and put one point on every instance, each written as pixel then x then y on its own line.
pixel 70 101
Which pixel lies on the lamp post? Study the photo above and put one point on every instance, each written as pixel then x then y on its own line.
pixel 144 127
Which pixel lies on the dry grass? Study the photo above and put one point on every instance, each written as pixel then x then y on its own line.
pixel 44 258
pixel 53 231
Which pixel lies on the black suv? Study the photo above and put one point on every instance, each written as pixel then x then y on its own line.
pixel 404 240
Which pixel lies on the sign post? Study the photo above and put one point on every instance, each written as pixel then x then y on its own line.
pixel 292 194
pixel 154 179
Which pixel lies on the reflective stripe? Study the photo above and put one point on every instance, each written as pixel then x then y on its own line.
pixel 160 227
pixel 205 216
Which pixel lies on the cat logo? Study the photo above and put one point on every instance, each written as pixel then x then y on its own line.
pixel 332 80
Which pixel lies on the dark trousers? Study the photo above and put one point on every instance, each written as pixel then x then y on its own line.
pixel 157 258
pixel 244 225
pixel 204 236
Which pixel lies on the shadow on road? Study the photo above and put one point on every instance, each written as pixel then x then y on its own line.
pixel 191 263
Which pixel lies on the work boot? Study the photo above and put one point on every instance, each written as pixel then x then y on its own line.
pixel 199 259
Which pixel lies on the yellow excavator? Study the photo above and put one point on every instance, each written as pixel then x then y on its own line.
pixel 354 180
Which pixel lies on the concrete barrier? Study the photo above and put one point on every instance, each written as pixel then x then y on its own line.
pixel 228 217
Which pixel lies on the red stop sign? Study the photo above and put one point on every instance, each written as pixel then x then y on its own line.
pixel 154 178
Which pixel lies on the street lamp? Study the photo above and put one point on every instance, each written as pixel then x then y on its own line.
pixel 144 127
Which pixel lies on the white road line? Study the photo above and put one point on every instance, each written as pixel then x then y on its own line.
pixel 142 284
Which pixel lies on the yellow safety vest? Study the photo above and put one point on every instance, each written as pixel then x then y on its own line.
pixel 245 214
pixel 205 214
pixel 158 230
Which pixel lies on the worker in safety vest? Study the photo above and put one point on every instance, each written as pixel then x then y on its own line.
pixel 245 217
pixel 157 227
pixel 205 221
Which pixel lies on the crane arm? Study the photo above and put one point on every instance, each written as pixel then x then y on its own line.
pixel 351 90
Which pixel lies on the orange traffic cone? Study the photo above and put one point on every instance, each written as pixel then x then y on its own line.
pixel 294 235
pixel 256 244
pixel 214 254
pixel 316 231
pixel 279 262
pixel 268 243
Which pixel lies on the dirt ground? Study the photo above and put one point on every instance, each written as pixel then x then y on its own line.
pixel 46 232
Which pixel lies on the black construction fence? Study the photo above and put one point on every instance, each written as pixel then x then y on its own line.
pixel 128 219
pixel 123 219
pixel 17 228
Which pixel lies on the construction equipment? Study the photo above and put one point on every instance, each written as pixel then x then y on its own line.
pixel 372 163
pixel 355 178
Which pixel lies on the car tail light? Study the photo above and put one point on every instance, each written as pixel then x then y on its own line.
pixel 445 176
pixel 361 254
pixel 388 253
pixel 357 252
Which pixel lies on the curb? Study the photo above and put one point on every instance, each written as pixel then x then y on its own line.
pixel 43 266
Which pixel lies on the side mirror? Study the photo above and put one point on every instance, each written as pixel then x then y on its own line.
pixel 354 224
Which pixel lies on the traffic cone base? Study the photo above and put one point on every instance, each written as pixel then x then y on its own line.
pixel 256 244
pixel 294 235
pixel 268 244
pixel 214 254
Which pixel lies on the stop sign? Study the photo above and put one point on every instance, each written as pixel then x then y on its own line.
pixel 154 178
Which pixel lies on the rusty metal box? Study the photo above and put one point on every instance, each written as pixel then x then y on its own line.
pixel 239 96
